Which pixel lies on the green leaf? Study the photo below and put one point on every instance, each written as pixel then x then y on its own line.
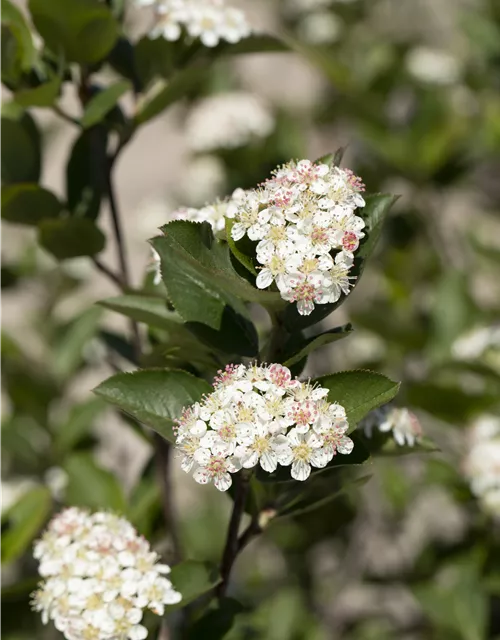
pixel 153 58
pixel 86 172
pixel 13 18
pixel 86 31
pixel 453 312
pixel 71 237
pixel 192 579
pixel 12 72
pixel 91 486
pixel 258 43
pixel 302 347
pixel 42 96
pixel 374 213
pixel 23 521
pixel 196 269
pixel 236 249
pixel 29 204
pixel 78 424
pixel 180 85
pixel 145 505
pixel 102 103
pixel 21 146
pixel 305 503
pixel 450 402
pixel 456 600
pixel 212 258
pixel 67 354
pixel 487 250
pixel 155 397
pixel 359 392
pixel 392 448
pixel 216 623
pixel 151 310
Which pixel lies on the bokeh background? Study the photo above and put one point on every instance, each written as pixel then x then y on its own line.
pixel 411 88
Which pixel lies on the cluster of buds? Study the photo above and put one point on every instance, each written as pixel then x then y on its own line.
pixel 260 415
pixel 306 230
pixel 99 576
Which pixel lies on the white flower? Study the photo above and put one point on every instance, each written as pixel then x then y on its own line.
pixel 476 343
pixel 215 214
pixel 228 120
pixel 203 180
pixel 433 66
pixel 208 20
pixel 99 576
pixel 260 415
pixel 215 468
pixel 154 266
pixel 320 28
pixel 403 424
pixel 482 462
pixel 302 451
pixel 302 6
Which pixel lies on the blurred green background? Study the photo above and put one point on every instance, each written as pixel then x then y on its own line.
pixel 411 88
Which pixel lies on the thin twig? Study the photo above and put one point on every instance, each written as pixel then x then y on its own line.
pixel 65 116
pixel 232 547
pixel 108 272
pixel 163 460
pixel 252 531
pixel 117 227
pixel 122 255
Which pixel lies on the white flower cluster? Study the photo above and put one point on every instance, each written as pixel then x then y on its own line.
pixel 302 214
pixel 403 424
pixel 482 463
pixel 260 415
pixel 227 121
pixel 208 20
pixel 99 576
pixel 215 214
pixel 477 343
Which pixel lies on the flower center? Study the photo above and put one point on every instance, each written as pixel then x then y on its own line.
pixel 304 414
pixel 302 452
pixel 216 466
pixel 245 414
pixel 277 233
pixel 309 265
pixel 227 432
pixel 276 265
pixel 350 241
pixel 319 235
pixel 261 445
pixel 304 291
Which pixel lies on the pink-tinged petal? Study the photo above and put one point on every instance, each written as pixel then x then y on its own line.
pixel 201 476
pixel 202 456
pixel 233 464
pixel 223 481
pixel 345 446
